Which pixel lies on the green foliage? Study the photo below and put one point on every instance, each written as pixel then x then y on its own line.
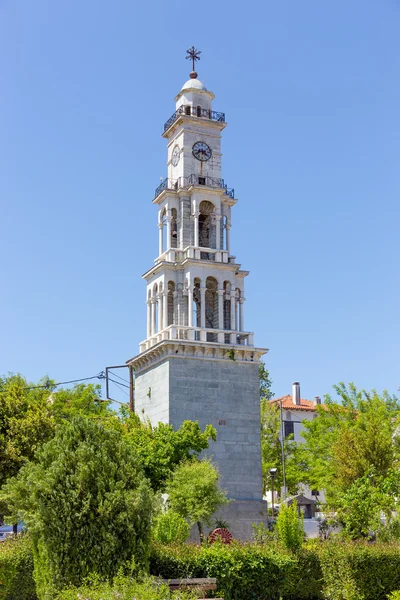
pixel 271 451
pixel 169 527
pixel 359 571
pixel 351 440
pixel 243 571
pixel 86 504
pixel 124 588
pixel 264 534
pixel 161 449
pixel 193 492
pixel 394 595
pixel 290 527
pixel 16 569
pixel 265 383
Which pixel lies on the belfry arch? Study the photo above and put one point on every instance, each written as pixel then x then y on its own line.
pixel 207 228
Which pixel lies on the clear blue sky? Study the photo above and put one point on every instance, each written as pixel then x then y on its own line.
pixel 311 91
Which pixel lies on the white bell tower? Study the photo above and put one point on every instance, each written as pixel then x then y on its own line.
pixel 198 362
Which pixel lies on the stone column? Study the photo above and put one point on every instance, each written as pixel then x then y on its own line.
pixel 233 311
pixel 169 219
pixel 165 307
pixel 176 311
pixel 196 226
pixel 218 231
pixel 228 238
pixel 148 319
pixel 221 294
pixel 160 311
pixel 153 316
pixel 190 306
pixel 202 307
pixel 160 238
pixel 241 314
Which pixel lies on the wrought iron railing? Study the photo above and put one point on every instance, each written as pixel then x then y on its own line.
pixel 185 182
pixel 195 111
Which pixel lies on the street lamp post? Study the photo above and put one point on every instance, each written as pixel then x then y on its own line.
pixel 272 473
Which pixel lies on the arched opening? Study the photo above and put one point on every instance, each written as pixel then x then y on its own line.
pixel 187 110
pixel 174 228
pixel 155 316
pixel 171 297
pixel 211 308
pixel 198 111
pixel 207 229
pixel 224 243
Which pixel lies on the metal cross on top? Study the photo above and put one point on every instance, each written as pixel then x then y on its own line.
pixel 193 55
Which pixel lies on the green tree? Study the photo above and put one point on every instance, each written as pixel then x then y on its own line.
pixel 348 441
pixel 86 504
pixel 290 527
pixel 161 449
pixel 271 451
pixel 265 382
pixel 168 527
pixel 194 493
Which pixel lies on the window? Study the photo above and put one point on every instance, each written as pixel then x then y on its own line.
pixel 198 110
pixel 314 493
pixel 187 110
pixel 202 181
pixel 289 428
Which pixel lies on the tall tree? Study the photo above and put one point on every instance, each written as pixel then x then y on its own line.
pixel 86 504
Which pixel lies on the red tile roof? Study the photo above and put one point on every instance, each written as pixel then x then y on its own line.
pixel 287 403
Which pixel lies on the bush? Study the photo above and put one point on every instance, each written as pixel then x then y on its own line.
pixel 123 589
pixel 394 596
pixel 243 571
pixel 359 571
pixel 16 569
pixel 169 527
pixel 290 527
pixel 87 507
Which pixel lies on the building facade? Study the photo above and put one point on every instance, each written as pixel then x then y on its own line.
pixel 198 362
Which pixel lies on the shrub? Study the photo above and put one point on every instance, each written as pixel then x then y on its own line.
pixel 16 569
pixel 290 527
pixel 86 504
pixel 394 596
pixel 359 571
pixel 123 589
pixel 169 527
pixel 243 571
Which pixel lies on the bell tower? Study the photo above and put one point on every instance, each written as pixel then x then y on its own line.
pixel 198 362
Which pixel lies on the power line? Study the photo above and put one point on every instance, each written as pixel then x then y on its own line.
pixel 118 383
pixel 119 386
pixel 49 385
pixel 119 377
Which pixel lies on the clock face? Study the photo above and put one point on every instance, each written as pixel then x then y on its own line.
pixel 175 156
pixel 201 151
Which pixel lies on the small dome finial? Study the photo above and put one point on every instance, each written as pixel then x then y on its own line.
pixel 193 55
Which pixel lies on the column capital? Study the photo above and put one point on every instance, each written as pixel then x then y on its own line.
pixel 221 292
pixel 160 225
pixel 241 300
pixel 153 300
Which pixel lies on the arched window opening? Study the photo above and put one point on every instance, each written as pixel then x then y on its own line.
pixel 171 298
pixel 224 244
pixel 196 307
pixel 211 308
pixel 207 229
pixel 198 111
pixel 174 228
pixel 187 110
pixel 155 315
pixel 237 304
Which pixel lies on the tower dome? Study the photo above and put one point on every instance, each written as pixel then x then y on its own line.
pixel 194 84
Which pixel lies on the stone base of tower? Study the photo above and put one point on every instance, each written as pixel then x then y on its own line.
pixel 215 384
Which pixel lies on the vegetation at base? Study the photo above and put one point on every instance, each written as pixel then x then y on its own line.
pixel 124 588
pixel 86 504
pixel 170 528
pixel 193 492
pixel 290 527
pixel 16 569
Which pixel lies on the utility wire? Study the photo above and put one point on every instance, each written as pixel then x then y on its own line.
pixel 49 385
pixel 118 383
pixel 119 377
pixel 119 386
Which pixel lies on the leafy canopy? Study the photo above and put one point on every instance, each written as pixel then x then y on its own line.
pixel 86 504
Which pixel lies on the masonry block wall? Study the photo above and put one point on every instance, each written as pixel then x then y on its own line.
pixel 222 393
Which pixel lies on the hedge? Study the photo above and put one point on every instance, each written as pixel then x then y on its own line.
pixel 243 571
pixel 124 589
pixel 16 569
pixel 360 571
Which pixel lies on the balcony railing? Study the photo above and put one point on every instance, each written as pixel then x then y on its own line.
pixel 194 111
pixel 186 182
